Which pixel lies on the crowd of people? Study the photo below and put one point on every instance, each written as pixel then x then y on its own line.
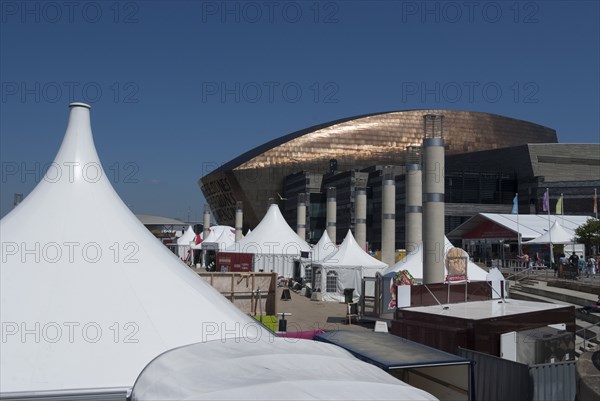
pixel 579 267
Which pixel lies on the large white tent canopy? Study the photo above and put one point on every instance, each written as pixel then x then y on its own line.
pixel 275 369
pixel 530 226
pixel 275 245
pixel 89 297
pixel 346 267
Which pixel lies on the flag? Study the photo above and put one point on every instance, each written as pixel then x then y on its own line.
pixel 559 205
pixel 515 209
pixel 546 202
pixel 595 202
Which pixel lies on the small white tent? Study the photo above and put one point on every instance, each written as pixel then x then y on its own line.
pixel 345 269
pixel 183 243
pixel 324 248
pixel 413 262
pixel 556 235
pixel 276 247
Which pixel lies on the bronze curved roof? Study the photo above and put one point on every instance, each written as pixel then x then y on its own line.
pixel 356 142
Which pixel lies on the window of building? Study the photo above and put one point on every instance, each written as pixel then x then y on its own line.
pixel 307 274
pixel 332 279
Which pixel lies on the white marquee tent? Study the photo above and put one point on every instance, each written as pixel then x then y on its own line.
pixel 90 297
pixel 274 244
pixel 221 235
pixel 556 235
pixel 98 294
pixel 413 262
pixel 183 242
pixel 345 269
pixel 324 248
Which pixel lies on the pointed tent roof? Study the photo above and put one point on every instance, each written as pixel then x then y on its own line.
pixel 188 236
pixel 215 232
pixel 271 236
pixel 351 254
pixel 83 274
pixel 556 235
pixel 323 248
pixel 413 262
pixel 227 238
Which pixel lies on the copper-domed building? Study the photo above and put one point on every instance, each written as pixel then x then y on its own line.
pixel 356 143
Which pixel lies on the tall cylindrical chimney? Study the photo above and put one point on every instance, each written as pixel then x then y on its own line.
pixel 388 217
pixel 206 223
pixel 361 217
pixel 414 199
pixel 301 217
pixel 331 213
pixel 433 199
pixel 239 220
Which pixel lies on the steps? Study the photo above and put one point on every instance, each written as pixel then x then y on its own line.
pixel 587 335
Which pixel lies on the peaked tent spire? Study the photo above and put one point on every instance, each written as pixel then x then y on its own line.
pixel 83 280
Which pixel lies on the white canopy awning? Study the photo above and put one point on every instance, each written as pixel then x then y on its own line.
pixel 274 369
pixel 556 235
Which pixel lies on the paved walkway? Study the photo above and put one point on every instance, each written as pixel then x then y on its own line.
pixel 309 315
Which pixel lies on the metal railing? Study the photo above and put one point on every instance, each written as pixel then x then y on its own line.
pixel 585 330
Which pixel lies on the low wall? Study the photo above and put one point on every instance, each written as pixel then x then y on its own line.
pixel 241 290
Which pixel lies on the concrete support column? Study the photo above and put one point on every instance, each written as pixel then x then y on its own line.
pixel 301 217
pixel 331 213
pixel 360 230
pixel 206 222
pixel 239 220
pixel 388 218
pixel 433 200
pixel 414 199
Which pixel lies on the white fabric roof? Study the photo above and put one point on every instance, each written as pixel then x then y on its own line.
pixel 350 264
pixel 529 225
pixel 351 254
pixel 271 236
pixel 556 235
pixel 183 242
pixel 188 236
pixel 277 369
pixel 214 235
pixel 413 262
pixel 324 248
pixel 88 295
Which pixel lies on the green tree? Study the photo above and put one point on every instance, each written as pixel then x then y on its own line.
pixel 589 234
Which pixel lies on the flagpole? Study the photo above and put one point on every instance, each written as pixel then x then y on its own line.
pixel 596 202
pixel 549 232
pixel 562 208
pixel 516 210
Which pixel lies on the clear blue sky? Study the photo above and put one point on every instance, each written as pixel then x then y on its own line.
pixel 178 87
